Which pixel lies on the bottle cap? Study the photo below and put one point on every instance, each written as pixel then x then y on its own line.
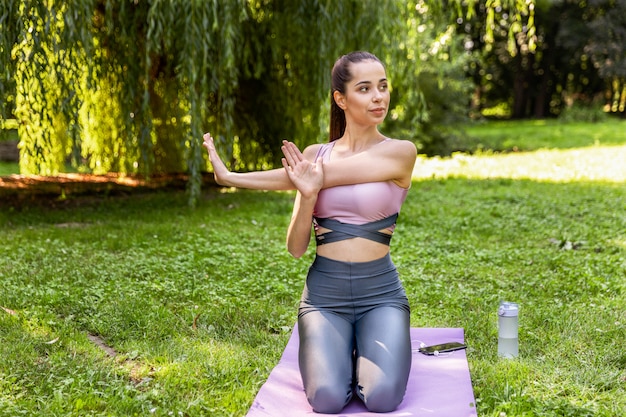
pixel 508 309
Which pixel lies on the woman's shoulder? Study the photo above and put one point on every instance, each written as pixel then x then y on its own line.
pixel 312 151
pixel 402 146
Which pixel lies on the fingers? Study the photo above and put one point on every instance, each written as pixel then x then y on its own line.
pixel 293 149
pixel 292 153
pixel 210 146
pixel 213 155
pixel 288 155
pixel 208 141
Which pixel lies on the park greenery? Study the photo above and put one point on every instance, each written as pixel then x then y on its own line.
pixel 139 305
pixel 130 86
pixel 144 304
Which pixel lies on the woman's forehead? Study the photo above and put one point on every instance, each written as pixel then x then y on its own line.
pixel 372 71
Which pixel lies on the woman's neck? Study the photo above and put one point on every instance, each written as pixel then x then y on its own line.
pixel 357 139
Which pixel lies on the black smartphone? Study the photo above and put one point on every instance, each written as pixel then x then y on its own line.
pixel 441 348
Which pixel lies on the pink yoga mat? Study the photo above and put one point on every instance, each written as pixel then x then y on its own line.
pixel 438 385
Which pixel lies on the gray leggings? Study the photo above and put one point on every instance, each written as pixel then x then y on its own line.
pixel 353 326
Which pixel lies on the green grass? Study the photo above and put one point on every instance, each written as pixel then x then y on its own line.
pixel 9 168
pixel 532 135
pixel 198 303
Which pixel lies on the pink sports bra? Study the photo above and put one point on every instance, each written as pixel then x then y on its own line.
pixel 358 204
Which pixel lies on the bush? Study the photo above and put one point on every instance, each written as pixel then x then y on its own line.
pixel 579 112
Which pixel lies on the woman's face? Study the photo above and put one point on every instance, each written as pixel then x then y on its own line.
pixel 366 98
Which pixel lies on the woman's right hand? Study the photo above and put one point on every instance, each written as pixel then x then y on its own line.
pixel 220 172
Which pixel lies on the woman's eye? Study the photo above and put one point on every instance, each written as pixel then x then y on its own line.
pixel 383 87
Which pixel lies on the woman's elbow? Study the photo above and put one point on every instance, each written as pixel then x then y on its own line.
pixel 296 250
pixel 296 253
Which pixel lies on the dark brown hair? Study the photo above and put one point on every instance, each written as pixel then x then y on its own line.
pixel 340 76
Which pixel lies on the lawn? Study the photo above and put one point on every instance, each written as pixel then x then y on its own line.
pixel 9 168
pixel 532 135
pixel 122 306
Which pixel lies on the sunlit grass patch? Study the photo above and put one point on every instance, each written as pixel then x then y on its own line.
pixel 596 163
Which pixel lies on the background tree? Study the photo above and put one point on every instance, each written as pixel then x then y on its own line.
pixel 431 92
pixel 129 87
pixel 605 22
pixel 543 56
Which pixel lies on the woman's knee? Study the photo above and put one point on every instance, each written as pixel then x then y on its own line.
pixel 328 399
pixel 384 397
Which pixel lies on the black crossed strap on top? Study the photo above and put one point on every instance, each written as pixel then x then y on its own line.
pixel 342 231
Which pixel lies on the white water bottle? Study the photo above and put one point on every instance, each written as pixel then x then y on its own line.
pixel 507 330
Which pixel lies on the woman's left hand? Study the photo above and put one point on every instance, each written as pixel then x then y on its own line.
pixel 307 176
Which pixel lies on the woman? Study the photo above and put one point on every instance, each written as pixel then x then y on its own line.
pixel 353 318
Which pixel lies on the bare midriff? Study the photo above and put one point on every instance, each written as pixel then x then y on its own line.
pixel 357 249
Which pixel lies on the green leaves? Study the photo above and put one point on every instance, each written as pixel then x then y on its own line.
pixel 130 86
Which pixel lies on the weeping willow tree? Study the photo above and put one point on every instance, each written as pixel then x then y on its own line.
pixel 121 86
pixel 129 86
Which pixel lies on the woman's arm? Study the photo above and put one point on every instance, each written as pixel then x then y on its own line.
pixel 275 179
pixel 388 161
pixel 299 231
pixel 308 179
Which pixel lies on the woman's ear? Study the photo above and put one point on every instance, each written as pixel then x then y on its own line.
pixel 340 99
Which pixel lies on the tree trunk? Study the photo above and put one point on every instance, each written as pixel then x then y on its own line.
pixel 520 89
